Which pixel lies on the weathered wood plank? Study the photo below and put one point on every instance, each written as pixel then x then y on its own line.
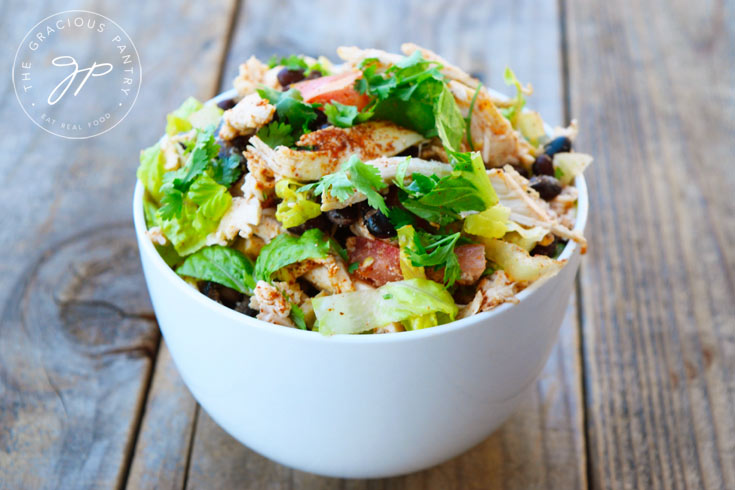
pixel 543 445
pixel 539 447
pixel 77 336
pixel 653 85
pixel 162 450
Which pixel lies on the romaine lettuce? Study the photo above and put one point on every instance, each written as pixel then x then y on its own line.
pixel 287 249
pixel 491 223
pixel 150 171
pixel 178 120
pixel 360 311
pixel 295 207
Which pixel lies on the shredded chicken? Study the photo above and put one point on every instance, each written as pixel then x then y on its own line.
pixel 492 291
pixel 251 113
pixel 242 217
pixel 173 151
pixel 272 306
pixel 526 207
pixel 449 70
pixel 156 235
pixel 492 134
pixel 354 56
pixel 252 74
pixel 330 274
pixel 390 328
pixel 331 147
pixel 570 131
pixel 269 227
pixel 564 207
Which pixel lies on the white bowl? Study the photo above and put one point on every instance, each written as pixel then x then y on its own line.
pixel 360 406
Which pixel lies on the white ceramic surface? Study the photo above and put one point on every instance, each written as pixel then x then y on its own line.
pixel 362 406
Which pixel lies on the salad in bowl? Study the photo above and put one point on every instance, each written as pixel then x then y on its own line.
pixel 382 194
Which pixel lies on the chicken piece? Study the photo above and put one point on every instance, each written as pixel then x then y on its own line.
pixel 330 275
pixel 269 227
pixel 354 56
pixel 526 207
pixel 492 134
pixel 388 167
pixel 251 113
pixel 563 206
pixel 390 328
pixel 449 70
pixel 242 217
pixel 263 182
pixel 156 236
pixel 272 306
pixel 570 131
pixel 332 146
pixel 173 152
pixel 492 291
pixel 252 74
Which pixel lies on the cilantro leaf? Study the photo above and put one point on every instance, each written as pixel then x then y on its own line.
pixel 297 315
pixel 441 200
pixel 290 107
pixel 225 171
pixel 340 115
pixel 292 62
pixel 172 204
pixel 287 249
pixel 436 251
pixel 353 176
pixel 212 198
pixel 277 134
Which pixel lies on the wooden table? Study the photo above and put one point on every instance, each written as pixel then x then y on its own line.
pixel 640 389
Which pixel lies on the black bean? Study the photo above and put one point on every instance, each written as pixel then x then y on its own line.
pixel 320 122
pixel 314 74
pixel 286 77
pixel 221 294
pixel 411 151
pixel 521 169
pixel 548 250
pixel 226 104
pixel 543 165
pixel 547 187
pixel 244 307
pixel 378 224
pixel 320 222
pixel 233 147
pixel 343 217
pixel 558 145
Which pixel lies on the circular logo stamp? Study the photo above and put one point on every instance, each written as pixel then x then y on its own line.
pixel 76 74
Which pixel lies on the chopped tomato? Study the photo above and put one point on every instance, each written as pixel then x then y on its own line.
pixel 378 260
pixel 339 88
pixel 471 260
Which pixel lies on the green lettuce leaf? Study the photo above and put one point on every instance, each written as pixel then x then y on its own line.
pixel 511 113
pixel 295 208
pixel 449 122
pixel 287 249
pixel 360 311
pixel 491 223
pixel 150 172
pixel 178 120
pixel 222 265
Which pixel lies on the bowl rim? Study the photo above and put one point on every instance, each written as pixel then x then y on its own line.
pixel 145 246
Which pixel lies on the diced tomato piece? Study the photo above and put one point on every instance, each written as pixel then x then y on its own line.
pixel 471 260
pixel 339 88
pixel 379 261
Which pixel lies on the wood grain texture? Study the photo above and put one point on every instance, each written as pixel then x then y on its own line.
pixel 162 451
pixel 653 84
pixel 543 445
pixel 77 335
